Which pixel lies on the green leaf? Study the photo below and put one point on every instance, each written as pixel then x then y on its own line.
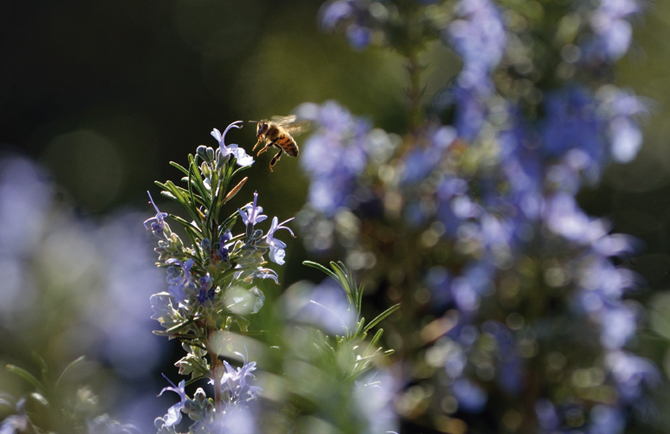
pixel 69 368
pixel 44 369
pixel 374 340
pixel 180 167
pixel 187 226
pixel 381 316
pixel 320 268
pixel 30 378
pixel 176 327
pixel 39 398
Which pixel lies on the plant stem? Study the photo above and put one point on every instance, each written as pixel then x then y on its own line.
pixel 217 367
pixel 414 91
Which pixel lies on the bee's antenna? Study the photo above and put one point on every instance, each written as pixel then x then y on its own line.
pixel 253 122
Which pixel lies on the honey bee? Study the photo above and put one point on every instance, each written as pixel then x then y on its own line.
pixel 279 132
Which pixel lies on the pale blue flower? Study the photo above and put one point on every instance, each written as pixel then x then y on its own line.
pixel 226 150
pixel 251 213
pixel 277 247
pixel 173 416
pixel 267 273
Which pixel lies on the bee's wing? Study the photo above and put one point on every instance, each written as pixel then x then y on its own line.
pixel 296 128
pixel 283 120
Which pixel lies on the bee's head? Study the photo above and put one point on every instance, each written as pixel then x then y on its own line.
pixel 261 128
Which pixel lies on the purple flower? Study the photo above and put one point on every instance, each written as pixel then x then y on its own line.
pixel 161 306
pixel 564 217
pixel 620 108
pixel 606 419
pixel 571 123
pixel 351 15
pixel 344 139
pixel 374 396
pixel 173 416
pixel 235 382
pixel 478 36
pixel 224 151
pixel 223 249
pixel 179 277
pixel 277 247
pixel 266 273
pixel 359 36
pixel 546 414
pixel 156 224
pixel 471 398
pixel 251 214
pixel 631 373
pixel 206 289
pixel 17 423
pixel 612 32
pixel 420 162
pixel 235 420
pixel 334 12
pixel 325 306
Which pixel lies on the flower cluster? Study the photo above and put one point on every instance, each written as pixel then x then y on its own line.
pixel 101 273
pixel 213 283
pixel 473 223
pixel 213 289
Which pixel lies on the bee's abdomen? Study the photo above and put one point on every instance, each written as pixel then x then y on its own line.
pixel 287 143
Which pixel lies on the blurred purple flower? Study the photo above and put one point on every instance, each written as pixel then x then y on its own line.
pixel 618 324
pixel 564 217
pixel 324 306
pixel 612 31
pixel 18 423
pixel 373 396
pixel 351 15
pixel 420 162
pixel 631 373
pixel 510 370
pixel 235 420
pixel 344 140
pixel 471 398
pixel 546 414
pixel 606 419
pixel 620 108
pixel 478 36
pixel 571 123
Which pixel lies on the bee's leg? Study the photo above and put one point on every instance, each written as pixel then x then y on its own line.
pixel 275 159
pixel 268 146
pixel 257 143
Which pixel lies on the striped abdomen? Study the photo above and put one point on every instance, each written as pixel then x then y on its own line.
pixel 288 145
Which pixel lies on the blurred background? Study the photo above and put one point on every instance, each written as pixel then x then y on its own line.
pixel 102 95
